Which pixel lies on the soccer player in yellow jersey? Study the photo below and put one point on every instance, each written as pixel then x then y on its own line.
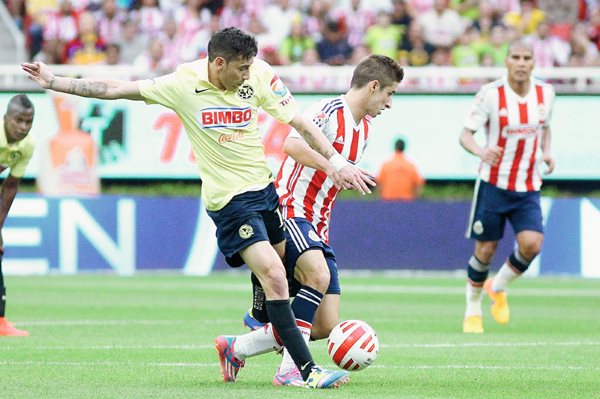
pixel 16 149
pixel 217 100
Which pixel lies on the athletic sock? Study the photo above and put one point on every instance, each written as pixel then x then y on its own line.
pixel 473 300
pixel 282 318
pixel 515 265
pixel 477 272
pixel 259 309
pixel 257 342
pixel 304 306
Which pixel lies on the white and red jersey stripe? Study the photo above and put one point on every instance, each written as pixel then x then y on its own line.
pixel 309 193
pixel 515 124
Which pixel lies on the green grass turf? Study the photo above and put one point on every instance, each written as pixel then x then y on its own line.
pixel 150 336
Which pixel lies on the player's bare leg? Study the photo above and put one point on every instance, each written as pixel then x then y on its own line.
pixel 529 244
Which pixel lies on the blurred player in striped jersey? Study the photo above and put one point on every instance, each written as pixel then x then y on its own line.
pixel 307 197
pixel 515 113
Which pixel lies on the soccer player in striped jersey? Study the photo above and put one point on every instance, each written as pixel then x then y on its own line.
pixel 515 113
pixel 307 197
pixel 217 100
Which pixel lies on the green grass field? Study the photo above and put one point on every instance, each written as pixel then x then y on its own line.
pixel 150 336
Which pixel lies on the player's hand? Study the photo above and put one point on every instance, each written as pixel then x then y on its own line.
pixel 39 73
pixel 357 179
pixel 491 155
pixel 549 161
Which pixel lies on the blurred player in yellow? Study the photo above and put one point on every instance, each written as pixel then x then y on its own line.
pixel 16 149
pixel 217 100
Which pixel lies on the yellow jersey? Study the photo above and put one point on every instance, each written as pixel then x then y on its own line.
pixel 222 126
pixel 16 155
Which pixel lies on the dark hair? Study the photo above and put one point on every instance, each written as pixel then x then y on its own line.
pixel 377 67
pixel 231 43
pixel 400 145
pixel 19 103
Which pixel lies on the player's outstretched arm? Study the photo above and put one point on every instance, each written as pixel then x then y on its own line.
pixel 350 176
pixel 102 88
pixel 298 149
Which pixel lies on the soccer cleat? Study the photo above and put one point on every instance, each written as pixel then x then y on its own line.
pixel 292 378
pixel 473 325
pixel 321 378
pixel 500 310
pixel 8 330
pixel 230 365
pixel 251 322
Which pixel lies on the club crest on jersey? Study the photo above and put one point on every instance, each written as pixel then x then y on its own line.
pixel 478 227
pixel 245 92
pixel 320 119
pixel 542 112
pixel 278 87
pixel 246 231
pixel 228 117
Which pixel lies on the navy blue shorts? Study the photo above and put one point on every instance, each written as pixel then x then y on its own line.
pixel 492 206
pixel 248 218
pixel 301 237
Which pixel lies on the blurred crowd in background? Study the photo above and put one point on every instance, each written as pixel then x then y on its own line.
pixel 157 35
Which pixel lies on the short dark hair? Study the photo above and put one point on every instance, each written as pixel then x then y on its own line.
pixel 19 103
pixel 377 67
pixel 400 145
pixel 231 43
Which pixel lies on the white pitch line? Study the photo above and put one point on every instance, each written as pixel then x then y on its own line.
pixel 392 346
pixel 116 322
pixel 200 365
pixel 493 344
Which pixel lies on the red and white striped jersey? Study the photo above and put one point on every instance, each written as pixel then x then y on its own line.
pixel 309 193
pixel 514 123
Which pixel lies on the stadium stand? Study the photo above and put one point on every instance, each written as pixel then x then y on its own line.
pixel 443 43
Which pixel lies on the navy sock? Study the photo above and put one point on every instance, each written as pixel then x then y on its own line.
pixel 284 323
pixel 259 309
pixel 306 303
pixel 477 271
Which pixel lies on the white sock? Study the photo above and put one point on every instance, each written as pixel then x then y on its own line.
pixel 287 363
pixel 505 275
pixel 256 343
pixel 473 295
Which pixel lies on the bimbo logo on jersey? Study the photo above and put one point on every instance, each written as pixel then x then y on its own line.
pixel 229 117
pixel 520 131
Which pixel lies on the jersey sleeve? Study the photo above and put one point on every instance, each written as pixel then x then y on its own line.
pixel 275 98
pixel 162 90
pixel 317 117
pixel 480 110
pixel 18 169
pixel 551 95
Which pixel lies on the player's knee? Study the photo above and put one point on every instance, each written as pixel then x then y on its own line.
pixel 316 276
pixel 274 280
pixel 531 249
pixel 485 251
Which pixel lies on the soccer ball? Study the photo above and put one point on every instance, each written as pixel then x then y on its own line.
pixel 353 345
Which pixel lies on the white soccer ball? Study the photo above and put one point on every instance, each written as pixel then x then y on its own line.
pixel 353 345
